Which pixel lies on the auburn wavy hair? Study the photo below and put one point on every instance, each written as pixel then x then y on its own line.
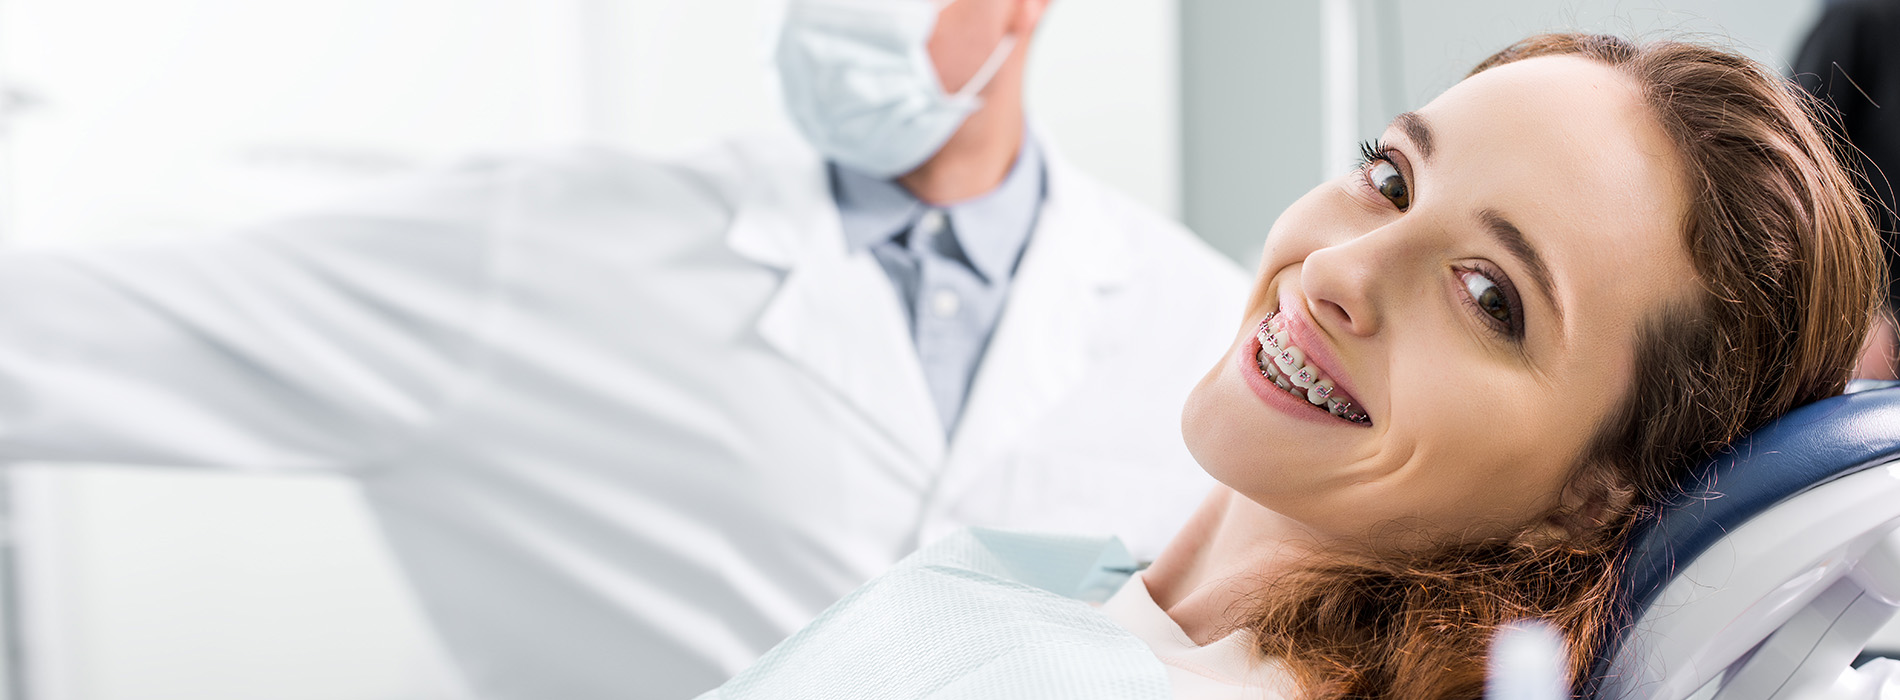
pixel 1787 259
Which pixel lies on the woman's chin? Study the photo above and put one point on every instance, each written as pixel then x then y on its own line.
pixel 1230 435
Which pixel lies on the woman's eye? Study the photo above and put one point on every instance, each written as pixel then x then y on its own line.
pixel 1489 297
pixel 1386 179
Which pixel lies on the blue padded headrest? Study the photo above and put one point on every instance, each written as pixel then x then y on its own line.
pixel 1810 446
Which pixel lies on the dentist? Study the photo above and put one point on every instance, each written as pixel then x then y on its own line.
pixel 625 423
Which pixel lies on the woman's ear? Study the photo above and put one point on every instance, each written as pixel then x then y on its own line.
pixel 1596 498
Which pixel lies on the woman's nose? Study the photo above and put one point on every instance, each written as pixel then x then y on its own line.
pixel 1342 285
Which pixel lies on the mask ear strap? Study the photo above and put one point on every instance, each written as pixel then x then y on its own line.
pixel 990 66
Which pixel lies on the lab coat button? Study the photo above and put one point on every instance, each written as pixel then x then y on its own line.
pixel 945 304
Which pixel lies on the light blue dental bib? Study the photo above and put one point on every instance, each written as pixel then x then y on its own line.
pixel 980 614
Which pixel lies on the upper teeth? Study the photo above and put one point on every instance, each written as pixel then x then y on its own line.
pixel 1286 366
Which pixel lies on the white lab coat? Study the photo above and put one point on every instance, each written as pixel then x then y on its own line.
pixel 628 423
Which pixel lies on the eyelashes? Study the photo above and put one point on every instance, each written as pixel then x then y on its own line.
pixel 1372 150
pixel 1494 298
pixel 1487 291
pixel 1381 174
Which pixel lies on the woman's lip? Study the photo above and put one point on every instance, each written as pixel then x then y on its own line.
pixel 1300 332
pixel 1274 396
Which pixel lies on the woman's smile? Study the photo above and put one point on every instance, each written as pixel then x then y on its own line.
pixel 1285 359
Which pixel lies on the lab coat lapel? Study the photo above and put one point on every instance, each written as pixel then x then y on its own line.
pixel 1076 260
pixel 835 314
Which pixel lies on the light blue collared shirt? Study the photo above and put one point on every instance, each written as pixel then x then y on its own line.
pixel 951 265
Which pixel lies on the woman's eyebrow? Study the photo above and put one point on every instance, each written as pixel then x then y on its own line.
pixel 1417 131
pixel 1514 241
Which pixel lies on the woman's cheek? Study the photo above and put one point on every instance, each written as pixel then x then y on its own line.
pixel 1336 211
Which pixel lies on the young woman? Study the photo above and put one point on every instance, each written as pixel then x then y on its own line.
pixel 1470 363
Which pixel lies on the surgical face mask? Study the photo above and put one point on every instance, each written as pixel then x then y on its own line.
pixel 860 85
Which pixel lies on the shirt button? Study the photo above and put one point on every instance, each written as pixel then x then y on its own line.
pixel 945 303
pixel 931 222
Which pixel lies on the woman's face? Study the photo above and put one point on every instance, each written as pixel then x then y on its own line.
pixel 1474 292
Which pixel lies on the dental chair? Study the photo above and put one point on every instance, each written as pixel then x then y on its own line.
pixel 1766 577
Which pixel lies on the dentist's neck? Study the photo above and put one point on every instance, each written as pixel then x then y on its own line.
pixel 976 158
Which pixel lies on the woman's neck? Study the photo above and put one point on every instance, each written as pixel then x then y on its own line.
pixel 1227 551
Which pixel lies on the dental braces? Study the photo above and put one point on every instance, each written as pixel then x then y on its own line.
pixel 1343 409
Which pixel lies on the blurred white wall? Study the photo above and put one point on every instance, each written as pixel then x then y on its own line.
pixel 148 119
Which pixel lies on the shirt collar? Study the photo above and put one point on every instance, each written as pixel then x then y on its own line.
pixel 1228 667
pixel 991 229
